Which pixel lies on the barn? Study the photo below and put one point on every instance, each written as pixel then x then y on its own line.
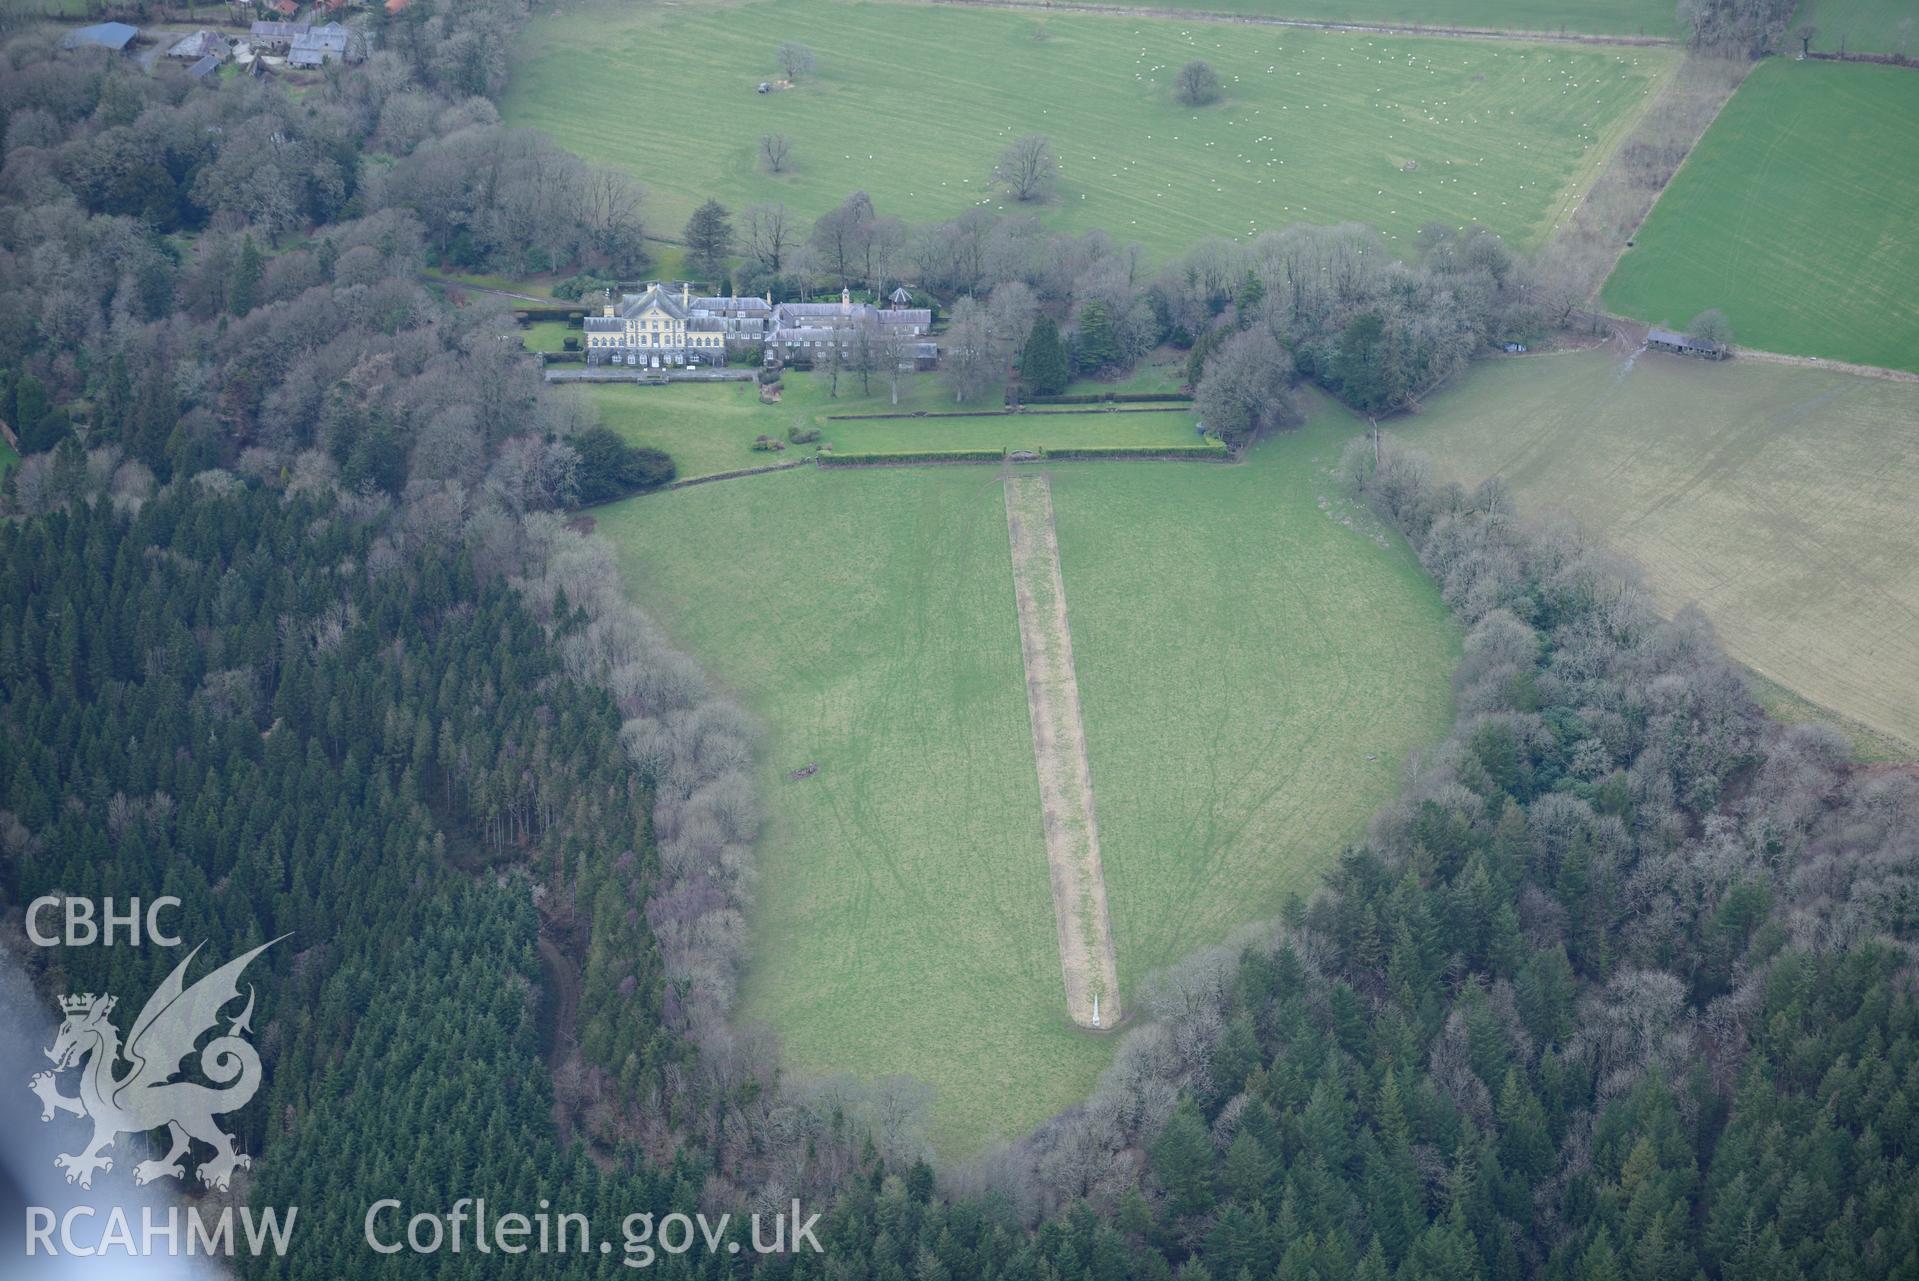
pixel 1683 345
pixel 104 35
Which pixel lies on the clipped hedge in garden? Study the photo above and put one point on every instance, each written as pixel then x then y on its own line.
pixel 876 458
pixel 1211 451
pixel 921 413
pixel 1110 397
pixel 1051 411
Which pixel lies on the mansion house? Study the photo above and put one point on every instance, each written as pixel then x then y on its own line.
pixel 658 330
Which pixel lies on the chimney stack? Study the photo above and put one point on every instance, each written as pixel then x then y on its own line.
pixel 686 294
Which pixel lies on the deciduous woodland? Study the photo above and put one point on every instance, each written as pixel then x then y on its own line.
pixel 302 623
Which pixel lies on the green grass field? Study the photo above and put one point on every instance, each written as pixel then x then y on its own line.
pixel 1594 17
pixel 1778 498
pixel 1794 216
pixel 913 103
pixel 710 428
pixel 1244 645
pixel 1256 658
pixel 1162 372
pixel 1033 430
pixel 548 335
pixel 1861 26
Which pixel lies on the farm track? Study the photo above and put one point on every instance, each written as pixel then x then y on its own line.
pixel 1307 24
pixel 1834 366
pixel 1629 339
pixel 1087 960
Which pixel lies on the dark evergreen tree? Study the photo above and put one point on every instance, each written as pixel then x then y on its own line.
pixel 1096 344
pixel 243 281
pixel 1042 366
pixel 709 239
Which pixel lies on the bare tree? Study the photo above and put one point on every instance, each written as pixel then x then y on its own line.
pixel 795 60
pixel 1027 169
pixel 835 357
pixel 1804 33
pixel 969 356
pixel 1196 84
pixel 866 356
pixel 1246 388
pixel 897 349
pixel 1010 310
pixel 769 235
pixel 611 211
pixel 1712 328
pixel 776 149
pixel 841 235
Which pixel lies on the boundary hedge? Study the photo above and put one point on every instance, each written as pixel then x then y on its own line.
pixel 1109 409
pixel 921 413
pixel 1212 451
pixel 1109 398
pixel 879 457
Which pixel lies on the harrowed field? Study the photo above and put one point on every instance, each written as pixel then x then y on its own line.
pixel 1779 499
pixel 1255 656
pixel 1795 215
pixel 913 103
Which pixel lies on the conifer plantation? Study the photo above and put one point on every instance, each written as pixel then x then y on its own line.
pixel 310 621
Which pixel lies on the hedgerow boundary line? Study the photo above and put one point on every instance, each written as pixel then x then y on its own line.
pixel 1087 961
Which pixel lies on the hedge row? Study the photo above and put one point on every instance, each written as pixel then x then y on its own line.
pixel 829 459
pixel 1108 397
pixel 1113 409
pixel 1212 449
pixel 921 413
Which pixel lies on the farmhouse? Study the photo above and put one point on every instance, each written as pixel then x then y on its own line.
pixel 319 46
pixel 802 331
pixel 1683 345
pixel 656 330
pixel 201 44
pixel 276 36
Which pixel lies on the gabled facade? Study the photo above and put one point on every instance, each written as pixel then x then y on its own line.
pixel 654 329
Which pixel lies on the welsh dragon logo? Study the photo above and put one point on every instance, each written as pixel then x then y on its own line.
pixel 145 1096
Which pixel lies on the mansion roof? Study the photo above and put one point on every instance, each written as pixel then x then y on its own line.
pixel 632 305
pixel 732 304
